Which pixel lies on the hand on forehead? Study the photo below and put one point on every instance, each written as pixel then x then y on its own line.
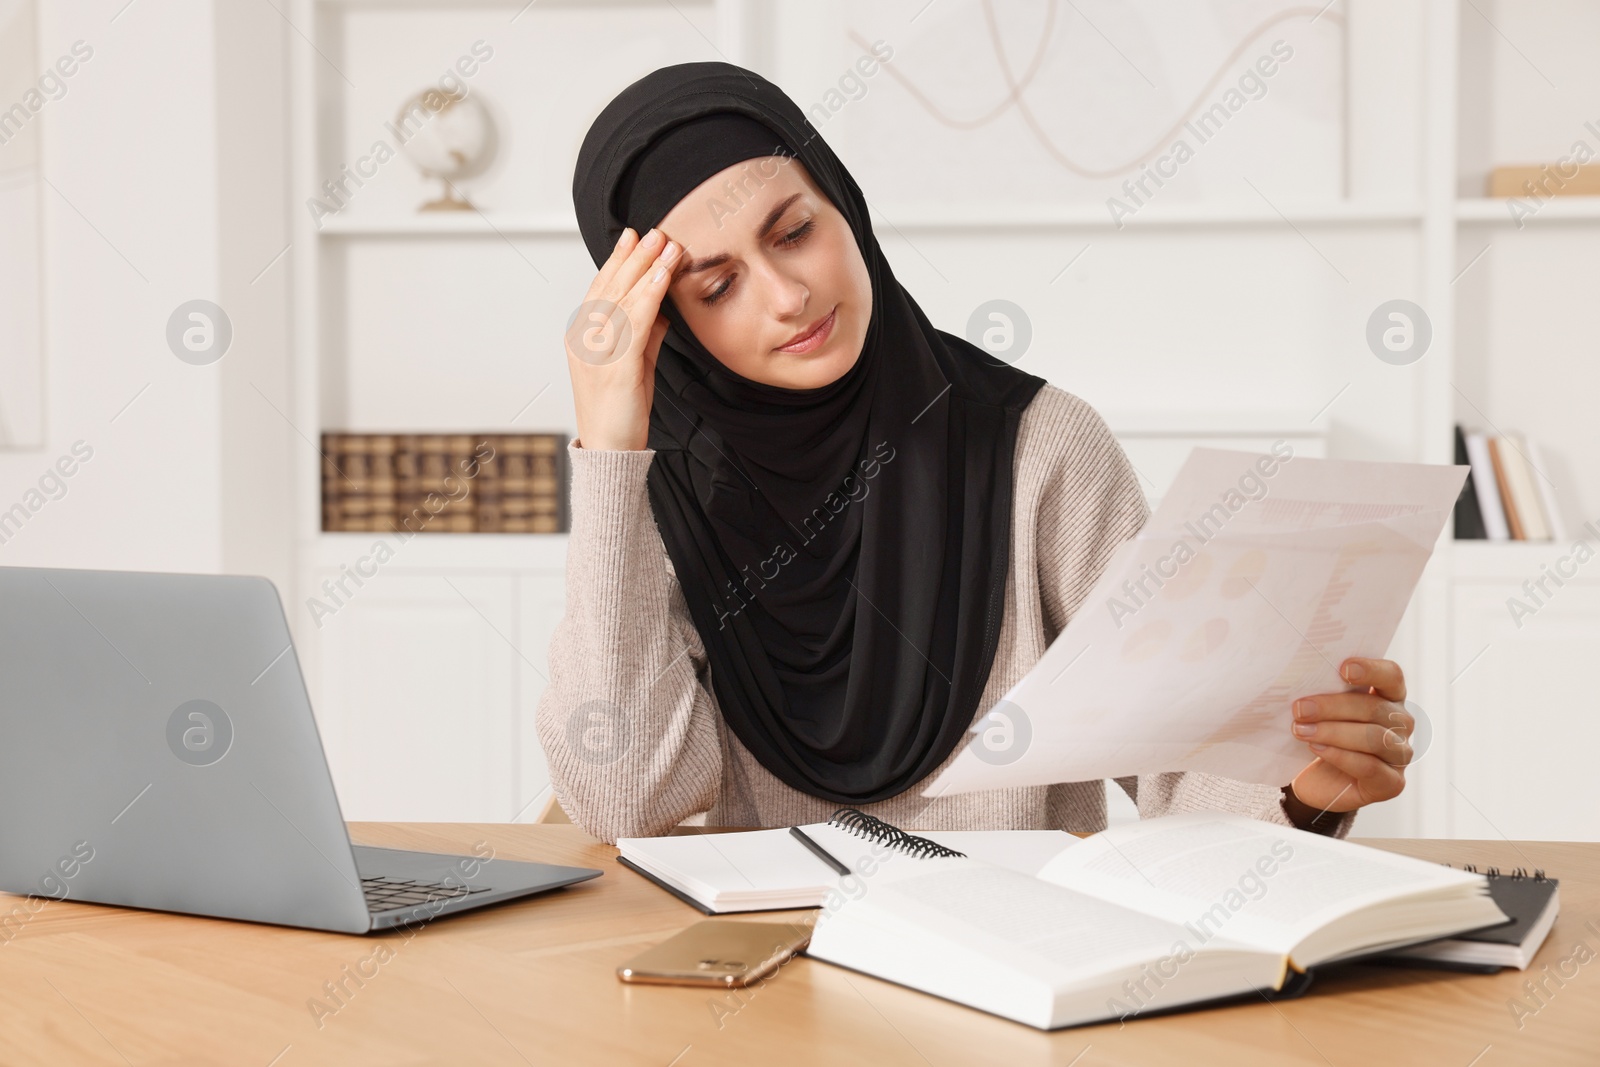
pixel 736 207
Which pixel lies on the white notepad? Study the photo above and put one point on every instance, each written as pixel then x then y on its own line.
pixel 761 870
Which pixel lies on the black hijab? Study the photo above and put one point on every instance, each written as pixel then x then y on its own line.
pixel 843 550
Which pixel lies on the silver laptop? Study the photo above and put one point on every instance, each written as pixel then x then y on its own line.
pixel 158 750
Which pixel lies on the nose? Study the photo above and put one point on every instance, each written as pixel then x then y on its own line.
pixel 787 295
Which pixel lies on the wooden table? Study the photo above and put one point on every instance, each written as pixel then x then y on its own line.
pixel 533 983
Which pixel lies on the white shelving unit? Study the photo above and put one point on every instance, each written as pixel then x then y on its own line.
pixel 1568 209
pixel 921 217
pixel 1514 714
pixel 445 652
pixel 451 224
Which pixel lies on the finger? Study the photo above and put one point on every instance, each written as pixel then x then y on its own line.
pixel 1383 675
pixel 634 266
pixel 1400 720
pixel 643 301
pixel 626 242
pixel 1375 779
pixel 1348 707
pixel 1386 743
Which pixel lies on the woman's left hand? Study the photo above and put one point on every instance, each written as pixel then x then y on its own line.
pixel 1361 738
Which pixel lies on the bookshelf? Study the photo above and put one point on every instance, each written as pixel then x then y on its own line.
pixel 917 217
pixel 1212 321
pixel 1572 209
pixel 1516 297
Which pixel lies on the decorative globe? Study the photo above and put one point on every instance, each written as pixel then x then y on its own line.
pixel 449 136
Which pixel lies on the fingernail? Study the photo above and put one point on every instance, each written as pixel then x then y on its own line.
pixel 1354 673
pixel 1318 747
pixel 623 236
pixel 1304 709
pixel 661 272
pixel 653 236
pixel 671 251
pixel 1305 729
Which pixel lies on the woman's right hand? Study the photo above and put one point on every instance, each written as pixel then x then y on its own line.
pixel 613 342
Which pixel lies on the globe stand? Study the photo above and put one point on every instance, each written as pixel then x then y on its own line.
pixel 449 200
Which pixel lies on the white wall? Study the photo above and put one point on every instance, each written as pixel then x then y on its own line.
pixel 142 168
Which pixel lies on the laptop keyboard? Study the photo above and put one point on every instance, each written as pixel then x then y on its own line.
pixel 387 894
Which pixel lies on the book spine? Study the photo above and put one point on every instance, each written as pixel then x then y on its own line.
pixel 544 484
pixel 1547 490
pixel 433 466
pixel 1523 501
pixel 516 484
pixel 1527 493
pixel 355 463
pixel 406 517
pixel 382 452
pixel 1483 480
pixel 331 495
pixel 1503 484
pixel 1468 514
pixel 487 495
pixel 458 483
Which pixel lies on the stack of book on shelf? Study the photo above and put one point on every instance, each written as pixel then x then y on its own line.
pixel 444 483
pixel 1509 496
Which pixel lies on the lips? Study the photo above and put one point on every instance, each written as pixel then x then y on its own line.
pixel 812 337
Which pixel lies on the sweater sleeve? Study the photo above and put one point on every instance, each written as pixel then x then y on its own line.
pixel 628 727
pixel 1091 503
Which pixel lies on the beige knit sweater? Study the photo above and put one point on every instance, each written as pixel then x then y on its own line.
pixel 629 721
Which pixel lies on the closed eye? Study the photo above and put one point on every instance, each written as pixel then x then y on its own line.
pixel 796 235
pixel 789 240
pixel 719 292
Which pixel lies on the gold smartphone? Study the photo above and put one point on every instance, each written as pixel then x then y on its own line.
pixel 718 952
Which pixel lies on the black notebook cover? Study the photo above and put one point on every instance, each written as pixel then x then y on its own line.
pixel 1469 513
pixel 1523 899
pixel 1521 896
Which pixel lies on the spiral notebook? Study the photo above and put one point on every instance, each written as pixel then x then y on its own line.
pixel 1160 915
pixel 767 870
pixel 1533 902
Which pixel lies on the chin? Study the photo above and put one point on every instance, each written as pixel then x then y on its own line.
pixel 817 373
pixel 827 364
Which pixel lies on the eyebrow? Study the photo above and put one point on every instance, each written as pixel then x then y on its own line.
pixel 694 266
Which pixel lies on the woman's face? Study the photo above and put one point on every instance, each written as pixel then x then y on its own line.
pixel 770 279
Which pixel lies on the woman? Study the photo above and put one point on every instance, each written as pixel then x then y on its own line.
pixel 814 538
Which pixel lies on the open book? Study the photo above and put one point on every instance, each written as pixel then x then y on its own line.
pixel 1161 913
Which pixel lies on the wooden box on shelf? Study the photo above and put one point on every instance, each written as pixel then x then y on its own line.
pixel 1548 179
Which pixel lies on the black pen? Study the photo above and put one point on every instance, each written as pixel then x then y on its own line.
pixel 821 853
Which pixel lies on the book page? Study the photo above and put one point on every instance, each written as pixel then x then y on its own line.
pixel 1024 921
pixel 1243 592
pixel 1024 948
pixel 1218 873
pixel 1065 927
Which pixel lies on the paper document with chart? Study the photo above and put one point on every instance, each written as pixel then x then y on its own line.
pixel 1252 581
